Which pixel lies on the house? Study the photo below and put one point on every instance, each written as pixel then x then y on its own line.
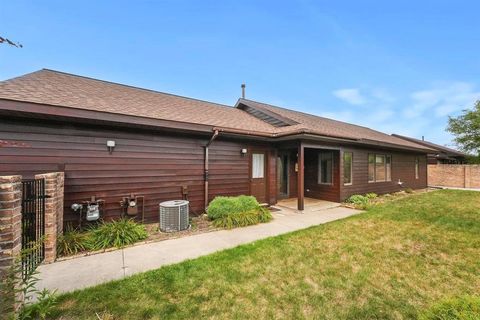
pixel 441 154
pixel 113 140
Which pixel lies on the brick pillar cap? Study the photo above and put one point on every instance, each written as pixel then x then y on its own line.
pixel 10 179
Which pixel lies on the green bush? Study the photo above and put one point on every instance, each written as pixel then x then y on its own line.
pixel 461 308
pixel 408 190
pixel 243 219
pixel 223 206
pixel 117 233
pixel 371 195
pixel 358 199
pixel 70 243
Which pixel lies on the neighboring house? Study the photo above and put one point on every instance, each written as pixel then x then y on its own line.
pixel 169 147
pixel 441 154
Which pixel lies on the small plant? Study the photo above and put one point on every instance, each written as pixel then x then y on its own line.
pixel 71 242
pixel 223 206
pixel 461 308
pixel 42 308
pixel 117 233
pixel 371 195
pixel 408 190
pixel 15 290
pixel 357 199
pixel 243 219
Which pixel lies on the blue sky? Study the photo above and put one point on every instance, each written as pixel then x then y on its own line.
pixel 396 66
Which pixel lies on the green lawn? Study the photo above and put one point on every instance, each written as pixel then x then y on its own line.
pixel 391 262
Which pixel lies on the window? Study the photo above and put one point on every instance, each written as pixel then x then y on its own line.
pixel 371 168
pixel 258 165
pixel 388 161
pixel 416 167
pixel 347 168
pixel 379 168
pixel 325 167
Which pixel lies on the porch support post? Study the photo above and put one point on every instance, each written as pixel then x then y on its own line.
pixel 300 176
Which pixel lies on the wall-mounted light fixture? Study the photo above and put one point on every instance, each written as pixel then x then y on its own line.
pixel 110 146
pixel 243 152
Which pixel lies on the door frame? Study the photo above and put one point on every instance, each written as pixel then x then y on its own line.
pixel 266 174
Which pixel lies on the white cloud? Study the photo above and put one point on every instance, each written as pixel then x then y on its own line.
pixel 442 100
pixel 426 115
pixel 383 95
pixel 351 96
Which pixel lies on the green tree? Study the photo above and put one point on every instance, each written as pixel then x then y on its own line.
pixel 466 129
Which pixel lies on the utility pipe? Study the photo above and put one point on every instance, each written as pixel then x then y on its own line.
pixel 205 176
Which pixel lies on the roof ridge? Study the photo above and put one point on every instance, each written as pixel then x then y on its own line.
pixel 431 144
pixel 128 86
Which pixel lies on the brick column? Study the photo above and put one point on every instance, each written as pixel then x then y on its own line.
pixel 54 183
pixel 468 174
pixel 10 233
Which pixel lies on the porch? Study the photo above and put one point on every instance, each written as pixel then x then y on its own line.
pixel 308 176
pixel 310 204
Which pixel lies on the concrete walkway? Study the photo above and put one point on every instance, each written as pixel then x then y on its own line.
pixel 91 270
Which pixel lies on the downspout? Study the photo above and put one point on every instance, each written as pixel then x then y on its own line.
pixel 205 176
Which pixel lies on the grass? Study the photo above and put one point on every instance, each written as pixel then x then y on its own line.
pixel 392 262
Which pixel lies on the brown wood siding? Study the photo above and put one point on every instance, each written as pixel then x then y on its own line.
pixel 403 168
pixel 321 191
pixel 155 165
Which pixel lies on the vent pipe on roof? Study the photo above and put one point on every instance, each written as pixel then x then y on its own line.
pixel 243 90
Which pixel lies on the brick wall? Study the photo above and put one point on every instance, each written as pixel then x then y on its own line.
pixel 454 175
pixel 10 231
pixel 54 183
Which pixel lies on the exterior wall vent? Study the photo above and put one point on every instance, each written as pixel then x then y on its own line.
pixel 174 215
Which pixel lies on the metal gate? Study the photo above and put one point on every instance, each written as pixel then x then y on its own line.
pixel 33 224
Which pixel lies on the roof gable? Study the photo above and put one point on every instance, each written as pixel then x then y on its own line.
pixel 308 123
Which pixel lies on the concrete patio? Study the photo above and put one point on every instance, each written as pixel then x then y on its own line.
pixel 91 270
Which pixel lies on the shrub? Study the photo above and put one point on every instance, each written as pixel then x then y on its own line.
pixel 243 219
pixel 460 308
pixel 117 233
pixel 371 195
pixel 358 199
pixel 408 190
pixel 71 242
pixel 223 206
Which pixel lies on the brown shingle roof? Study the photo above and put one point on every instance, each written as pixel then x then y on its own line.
pixel 55 88
pixel 327 127
pixel 67 90
pixel 434 146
